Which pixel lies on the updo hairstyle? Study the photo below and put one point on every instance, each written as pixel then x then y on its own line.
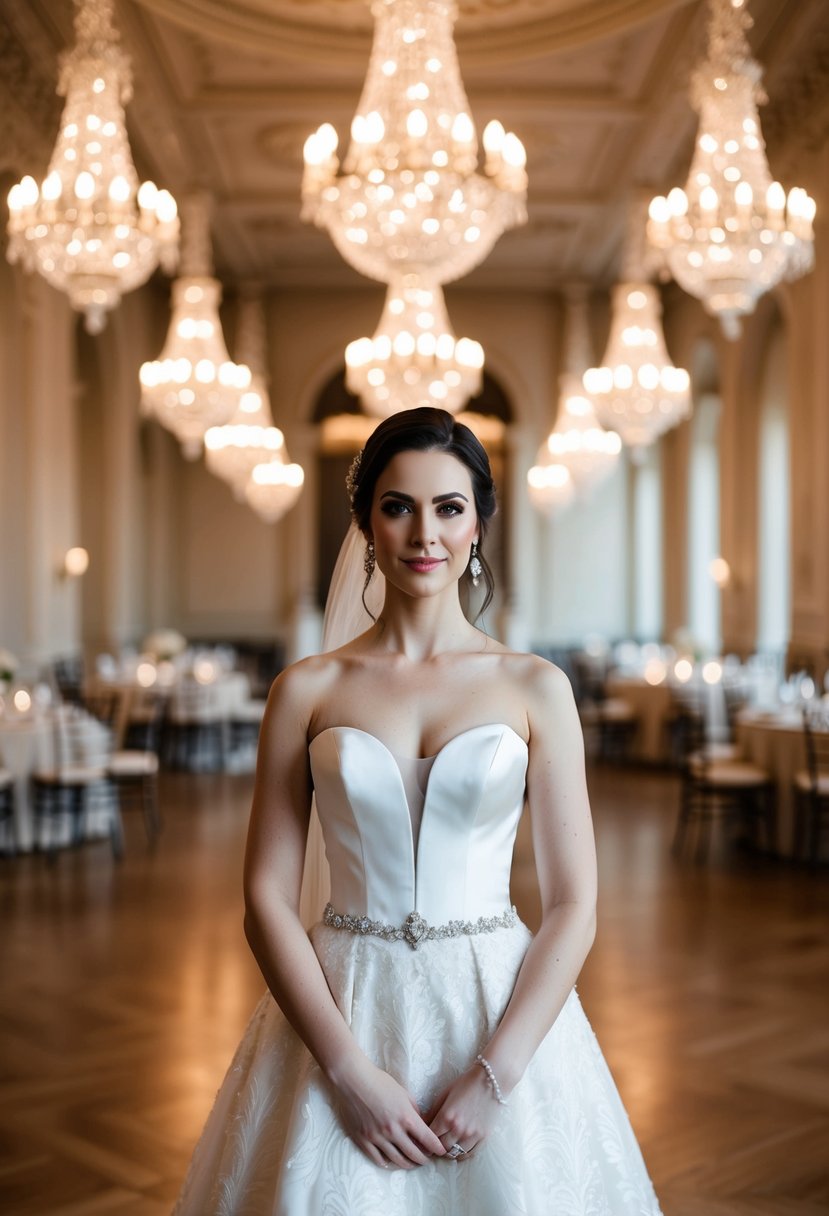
pixel 425 429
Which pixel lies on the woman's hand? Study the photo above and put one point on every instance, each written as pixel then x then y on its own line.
pixel 466 1112
pixel 382 1119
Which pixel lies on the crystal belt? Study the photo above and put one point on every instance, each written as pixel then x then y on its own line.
pixel 415 929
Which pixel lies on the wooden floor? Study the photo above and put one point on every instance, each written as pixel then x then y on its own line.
pixel 126 987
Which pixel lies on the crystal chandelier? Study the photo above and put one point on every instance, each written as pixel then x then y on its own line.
pixel 637 391
pixel 732 233
pixel 194 385
pixel 577 443
pixel 414 358
pixel 249 439
pixel 88 228
pixel 410 196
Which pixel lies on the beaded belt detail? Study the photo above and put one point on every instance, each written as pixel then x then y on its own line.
pixel 415 929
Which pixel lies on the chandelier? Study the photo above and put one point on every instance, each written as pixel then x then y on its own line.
pixel 409 196
pixel 637 391
pixel 577 444
pixel 88 228
pixel 549 484
pixel 273 489
pixel 732 233
pixel 414 358
pixel 249 439
pixel 194 385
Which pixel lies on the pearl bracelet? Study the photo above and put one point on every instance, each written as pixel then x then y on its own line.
pixel 496 1088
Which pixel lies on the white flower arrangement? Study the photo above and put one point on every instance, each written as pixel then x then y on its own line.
pixel 164 644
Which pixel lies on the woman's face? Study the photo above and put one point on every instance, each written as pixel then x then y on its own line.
pixel 423 521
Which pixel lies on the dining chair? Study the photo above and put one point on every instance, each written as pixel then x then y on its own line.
pixel 76 783
pixel 196 727
pixel 134 770
pixel 613 721
pixel 812 785
pixel 720 786
pixel 7 833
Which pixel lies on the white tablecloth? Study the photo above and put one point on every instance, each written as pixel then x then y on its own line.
pixel 778 745
pixel 26 744
pixel 655 705
pixel 652 705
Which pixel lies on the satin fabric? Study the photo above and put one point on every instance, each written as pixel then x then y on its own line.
pixel 274 1146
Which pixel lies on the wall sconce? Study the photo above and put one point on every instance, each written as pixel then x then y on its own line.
pixel 75 563
pixel 720 572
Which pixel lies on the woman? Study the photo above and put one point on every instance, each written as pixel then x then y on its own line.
pixel 437 1060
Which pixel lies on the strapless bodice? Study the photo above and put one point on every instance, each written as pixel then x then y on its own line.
pixel 461 867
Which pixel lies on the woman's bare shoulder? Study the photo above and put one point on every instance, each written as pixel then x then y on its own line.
pixel 540 674
pixel 299 687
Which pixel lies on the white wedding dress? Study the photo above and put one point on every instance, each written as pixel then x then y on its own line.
pixel 563 1146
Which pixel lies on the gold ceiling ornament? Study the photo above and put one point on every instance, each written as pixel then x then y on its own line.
pixel 234 450
pixel 194 384
pixel 637 391
pixel 409 196
pixel 579 453
pixel 732 233
pixel 89 228
pixel 413 358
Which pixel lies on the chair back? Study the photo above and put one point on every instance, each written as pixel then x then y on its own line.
pixel 80 739
pixel 195 702
pixel 816 732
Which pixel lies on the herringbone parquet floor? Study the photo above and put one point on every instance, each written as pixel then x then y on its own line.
pixel 125 989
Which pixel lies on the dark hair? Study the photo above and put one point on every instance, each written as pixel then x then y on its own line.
pixel 425 429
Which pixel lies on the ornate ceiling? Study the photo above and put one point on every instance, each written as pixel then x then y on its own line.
pixel 227 90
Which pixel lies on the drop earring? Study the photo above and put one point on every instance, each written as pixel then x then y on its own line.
pixel 369 561
pixel 475 567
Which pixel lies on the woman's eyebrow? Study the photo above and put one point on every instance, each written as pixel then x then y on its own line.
pixel 408 498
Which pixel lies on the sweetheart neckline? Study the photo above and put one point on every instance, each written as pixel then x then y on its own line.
pixel 395 755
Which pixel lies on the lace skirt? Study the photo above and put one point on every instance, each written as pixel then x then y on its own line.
pixel 273 1145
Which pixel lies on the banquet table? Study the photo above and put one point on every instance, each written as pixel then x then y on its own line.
pixel 28 744
pixel 777 743
pixel 655 706
pixel 652 704
pixel 223 699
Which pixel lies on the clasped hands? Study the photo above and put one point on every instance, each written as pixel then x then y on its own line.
pixel 383 1120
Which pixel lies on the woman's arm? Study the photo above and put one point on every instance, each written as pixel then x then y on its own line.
pixel 565 859
pixel 378 1114
pixel 566 866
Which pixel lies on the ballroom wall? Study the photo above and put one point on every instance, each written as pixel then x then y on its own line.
pixel 169 546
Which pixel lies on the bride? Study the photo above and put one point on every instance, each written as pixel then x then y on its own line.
pixel 419 1052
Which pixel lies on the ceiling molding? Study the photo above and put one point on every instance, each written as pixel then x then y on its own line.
pixel 489 32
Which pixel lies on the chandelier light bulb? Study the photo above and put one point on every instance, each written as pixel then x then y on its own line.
pixel 86 229
pixel 732 234
pixel 409 196
pixel 414 358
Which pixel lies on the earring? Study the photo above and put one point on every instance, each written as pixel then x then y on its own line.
pixel 369 561
pixel 475 567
